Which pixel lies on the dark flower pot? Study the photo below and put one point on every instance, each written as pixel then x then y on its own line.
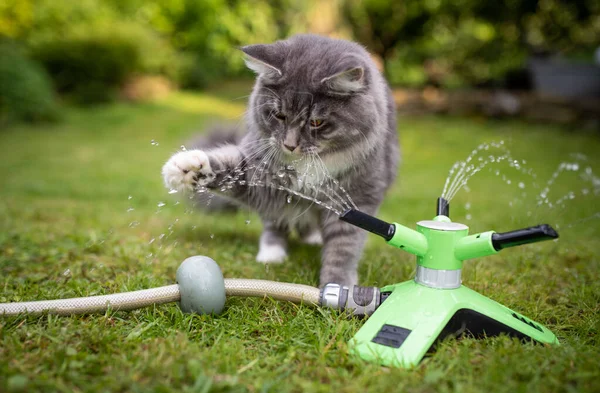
pixel 559 78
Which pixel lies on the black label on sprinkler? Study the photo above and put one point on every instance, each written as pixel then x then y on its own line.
pixel 391 336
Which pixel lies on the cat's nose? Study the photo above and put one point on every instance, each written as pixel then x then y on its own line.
pixel 290 148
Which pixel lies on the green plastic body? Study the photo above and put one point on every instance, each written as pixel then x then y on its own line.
pixel 422 313
pixel 408 240
pixel 439 249
pixel 425 312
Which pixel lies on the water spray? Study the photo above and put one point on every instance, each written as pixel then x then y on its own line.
pixel 406 319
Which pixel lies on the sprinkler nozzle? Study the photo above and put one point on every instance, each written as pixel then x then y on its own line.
pixel 443 207
pixel 369 223
pixel 523 236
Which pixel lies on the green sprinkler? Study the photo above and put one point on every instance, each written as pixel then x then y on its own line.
pixel 413 315
pixel 406 319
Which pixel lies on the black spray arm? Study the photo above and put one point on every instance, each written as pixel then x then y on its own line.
pixel 523 236
pixel 369 223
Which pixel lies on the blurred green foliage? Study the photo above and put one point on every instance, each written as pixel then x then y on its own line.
pixel 208 33
pixel 26 90
pixel 91 48
pixel 469 42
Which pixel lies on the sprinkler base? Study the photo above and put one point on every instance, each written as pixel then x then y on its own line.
pixel 414 317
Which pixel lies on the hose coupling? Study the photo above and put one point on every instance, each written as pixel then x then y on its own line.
pixel 359 300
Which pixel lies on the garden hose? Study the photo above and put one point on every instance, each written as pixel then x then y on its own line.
pixel 201 288
pixel 126 301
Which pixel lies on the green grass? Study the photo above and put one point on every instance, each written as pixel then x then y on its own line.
pixel 65 231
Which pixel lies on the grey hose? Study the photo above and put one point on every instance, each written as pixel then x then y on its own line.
pixel 296 293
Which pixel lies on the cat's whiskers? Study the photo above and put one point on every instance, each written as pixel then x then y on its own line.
pixel 349 202
pixel 301 113
pixel 271 91
pixel 341 201
pixel 336 198
pixel 257 146
pixel 250 95
pixel 264 161
pixel 312 200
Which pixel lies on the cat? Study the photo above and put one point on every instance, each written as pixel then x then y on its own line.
pixel 321 119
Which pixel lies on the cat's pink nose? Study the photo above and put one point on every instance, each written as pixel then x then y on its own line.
pixel 290 148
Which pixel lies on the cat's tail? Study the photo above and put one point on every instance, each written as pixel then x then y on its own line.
pixel 215 136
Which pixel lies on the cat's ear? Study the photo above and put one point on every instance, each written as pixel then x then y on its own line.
pixel 349 81
pixel 264 60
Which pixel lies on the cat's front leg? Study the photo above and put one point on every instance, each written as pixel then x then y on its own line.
pixel 187 170
pixel 342 248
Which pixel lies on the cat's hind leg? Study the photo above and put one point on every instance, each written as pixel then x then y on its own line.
pixel 272 247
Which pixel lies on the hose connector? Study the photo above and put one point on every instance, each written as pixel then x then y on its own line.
pixel 360 300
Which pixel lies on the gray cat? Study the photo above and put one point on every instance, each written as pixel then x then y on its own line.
pixel 321 122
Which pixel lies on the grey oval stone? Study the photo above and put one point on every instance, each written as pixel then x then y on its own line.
pixel 201 286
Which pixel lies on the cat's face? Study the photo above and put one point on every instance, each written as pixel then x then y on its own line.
pixel 310 98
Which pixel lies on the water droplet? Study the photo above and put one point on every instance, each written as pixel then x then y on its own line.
pixel 129 197
pixel 172 191
pixel 161 204
pixel 153 142
pixel 508 181
pixel 289 199
pixel 468 217
pixel 521 185
pixel 67 272
pixel 467 205
pixel 183 148
pixel 212 235
pixel 247 222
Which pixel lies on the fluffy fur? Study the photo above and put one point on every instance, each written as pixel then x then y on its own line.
pixel 321 121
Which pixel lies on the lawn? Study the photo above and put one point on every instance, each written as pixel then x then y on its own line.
pixel 80 215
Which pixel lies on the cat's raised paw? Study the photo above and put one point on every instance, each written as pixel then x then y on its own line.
pixel 187 170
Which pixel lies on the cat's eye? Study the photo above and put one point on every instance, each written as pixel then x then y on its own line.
pixel 316 123
pixel 280 116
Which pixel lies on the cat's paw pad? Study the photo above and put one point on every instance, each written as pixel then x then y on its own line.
pixel 271 254
pixel 188 169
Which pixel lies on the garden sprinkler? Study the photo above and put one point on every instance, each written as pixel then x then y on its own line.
pixel 406 318
pixel 415 314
